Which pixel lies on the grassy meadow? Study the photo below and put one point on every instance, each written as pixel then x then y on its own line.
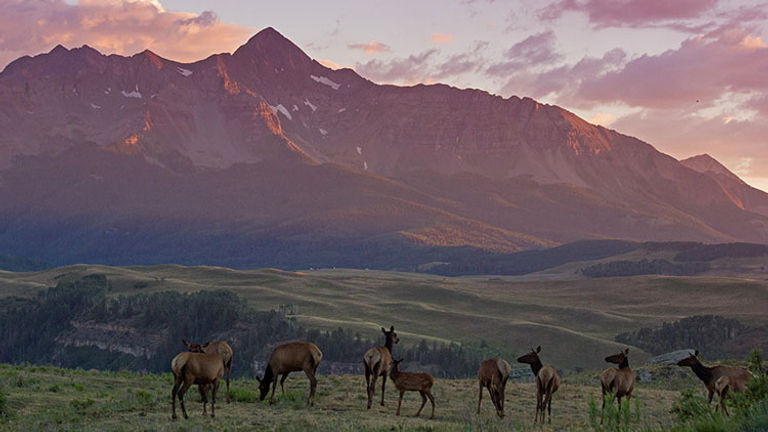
pixel 574 318
pixel 50 398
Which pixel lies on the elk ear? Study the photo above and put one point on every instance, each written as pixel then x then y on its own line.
pixel 206 344
pixel 184 341
pixel 258 379
pixel 538 349
pixel 626 351
pixel 392 328
pixel 383 330
pixel 696 353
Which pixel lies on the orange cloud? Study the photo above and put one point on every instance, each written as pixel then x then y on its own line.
pixel 602 119
pixel 372 47
pixel 441 38
pixel 113 26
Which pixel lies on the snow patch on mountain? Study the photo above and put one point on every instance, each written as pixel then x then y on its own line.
pixel 326 81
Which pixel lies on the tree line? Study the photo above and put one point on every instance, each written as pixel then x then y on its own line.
pixel 78 324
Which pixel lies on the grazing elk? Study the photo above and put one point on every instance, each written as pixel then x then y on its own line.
pixel 407 381
pixel 621 381
pixel 291 357
pixel 195 368
pixel 377 362
pixel 226 353
pixel 718 379
pixel 547 382
pixel 493 374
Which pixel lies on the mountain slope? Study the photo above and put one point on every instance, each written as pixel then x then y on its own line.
pixel 266 157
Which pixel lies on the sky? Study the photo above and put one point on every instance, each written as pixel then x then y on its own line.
pixel 687 76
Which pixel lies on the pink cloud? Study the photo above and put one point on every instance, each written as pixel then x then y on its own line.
pixel 115 26
pixel 370 48
pixel 629 13
pixel 412 69
pixel 701 69
pixel 442 38
pixel 533 51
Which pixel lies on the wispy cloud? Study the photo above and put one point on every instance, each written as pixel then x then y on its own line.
pixel 629 13
pixel 442 38
pixel 370 48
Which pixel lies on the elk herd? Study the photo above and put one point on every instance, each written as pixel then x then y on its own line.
pixel 205 364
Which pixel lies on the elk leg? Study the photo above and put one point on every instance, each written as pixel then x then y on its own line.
pixel 480 397
pixel 176 385
pixel 228 368
pixel 711 395
pixel 549 407
pixel 182 391
pixel 274 387
pixel 368 383
pixel 399 402
pixel 213 397
pixel 282 382
pixel 423 402
pixel 602 409
pixel 203 395
pixel 383 385
pixel 312 387
pixel 538 405
pixel 431 399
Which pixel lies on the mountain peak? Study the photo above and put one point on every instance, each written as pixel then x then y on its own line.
pixel 269 45
pixel 705 163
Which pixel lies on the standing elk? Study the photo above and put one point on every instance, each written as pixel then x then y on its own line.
pixel 377 362
pixel 718 379
pixel 621 381
pixel 287 358
pixel 493 374
pixel 407 381
pixel 547 382
pixel 195 368
pixel 226 353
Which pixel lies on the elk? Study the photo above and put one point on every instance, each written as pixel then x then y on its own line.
pixel 493 374
pixel 291 357
pixel 195 368
pixel 407 381
pixel 718 379
pixel 547 382
pixel 224 350
pixel 621 381
pixel 377 362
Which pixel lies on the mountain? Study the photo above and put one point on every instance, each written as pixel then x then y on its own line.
pixel 266 157
pixel 743 195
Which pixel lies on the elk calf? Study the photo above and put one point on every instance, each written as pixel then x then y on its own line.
pixel 621 381
pixel 493 374
pixel 547 383
pixel 407 381
pixel 195 368
pixel 287 358
pixel 718 379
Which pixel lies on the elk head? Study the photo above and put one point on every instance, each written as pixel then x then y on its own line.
pixel 619 358
pixel 690 360
pixel 193 347
pixel 532 357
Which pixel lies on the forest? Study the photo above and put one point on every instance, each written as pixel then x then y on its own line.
pixel 76 324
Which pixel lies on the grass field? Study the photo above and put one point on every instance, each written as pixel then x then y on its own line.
pixel 575 319
pixel 50 398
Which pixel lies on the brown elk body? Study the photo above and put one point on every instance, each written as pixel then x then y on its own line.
pixel 287 358
pixel 195 368
pixel 493 374
pixel 377 362
pixel 547 383
pixel 721 380
pixel 407 381
pixel 226 353
pixel 620 381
